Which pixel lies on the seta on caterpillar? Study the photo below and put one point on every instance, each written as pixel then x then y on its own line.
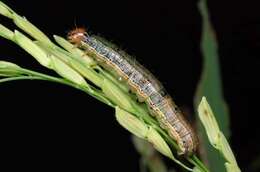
pixel 147 88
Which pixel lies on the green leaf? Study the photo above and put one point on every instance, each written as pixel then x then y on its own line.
pixel 210 85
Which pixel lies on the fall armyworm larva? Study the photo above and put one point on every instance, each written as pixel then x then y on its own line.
pixel 147 88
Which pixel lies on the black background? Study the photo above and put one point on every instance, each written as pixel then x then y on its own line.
pixel 48 124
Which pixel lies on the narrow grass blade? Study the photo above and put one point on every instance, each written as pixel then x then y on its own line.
pixel 210 86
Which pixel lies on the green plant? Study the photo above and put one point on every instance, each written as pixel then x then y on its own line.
pixel 76 69
pixel 210 86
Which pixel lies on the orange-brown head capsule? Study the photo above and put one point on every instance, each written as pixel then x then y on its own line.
pixel 77 35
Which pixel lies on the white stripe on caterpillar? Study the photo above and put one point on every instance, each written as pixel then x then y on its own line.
pixel 144 84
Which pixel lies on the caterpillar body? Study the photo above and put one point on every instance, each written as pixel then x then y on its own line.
pixel 143 84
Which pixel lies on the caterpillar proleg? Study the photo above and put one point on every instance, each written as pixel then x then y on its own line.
pixel 143 84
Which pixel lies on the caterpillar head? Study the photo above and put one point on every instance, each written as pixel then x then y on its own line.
pixel 77 35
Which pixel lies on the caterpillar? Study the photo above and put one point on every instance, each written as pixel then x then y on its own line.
pixel 145 85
